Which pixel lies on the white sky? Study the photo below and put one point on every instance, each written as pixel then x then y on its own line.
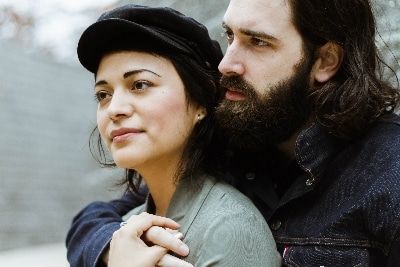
pixel 58 23
pixel 65 5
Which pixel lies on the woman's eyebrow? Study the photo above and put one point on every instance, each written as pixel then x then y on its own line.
pixel 128 74
pixel 101 82
pixel 133 72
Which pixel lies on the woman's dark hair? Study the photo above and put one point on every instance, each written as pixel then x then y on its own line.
pixel 200 153
pixel 357 95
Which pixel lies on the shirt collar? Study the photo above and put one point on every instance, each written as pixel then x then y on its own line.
pixel 186 201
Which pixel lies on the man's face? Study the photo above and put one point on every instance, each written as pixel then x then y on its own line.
pixel 265 72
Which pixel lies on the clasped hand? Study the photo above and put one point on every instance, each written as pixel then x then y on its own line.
pixel 145 240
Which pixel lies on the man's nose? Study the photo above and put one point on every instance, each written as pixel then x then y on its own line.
pixel 232 62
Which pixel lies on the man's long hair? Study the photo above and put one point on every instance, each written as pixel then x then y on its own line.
pixel 357 95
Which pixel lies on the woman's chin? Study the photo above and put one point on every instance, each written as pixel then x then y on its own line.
pixel 125 163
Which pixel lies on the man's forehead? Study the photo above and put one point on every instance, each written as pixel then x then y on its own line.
pixel 270 16
pixel 260 6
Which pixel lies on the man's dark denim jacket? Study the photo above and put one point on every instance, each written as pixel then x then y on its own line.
pixel 343 208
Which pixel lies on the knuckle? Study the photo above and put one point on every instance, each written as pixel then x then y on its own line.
pixel 116 234
pixel 156 230
pixel 153 233
pixel 123 231
pixel 149 235
pixel 144 214
pixel 132 218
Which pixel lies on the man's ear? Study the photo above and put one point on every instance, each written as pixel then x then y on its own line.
pixel 329 60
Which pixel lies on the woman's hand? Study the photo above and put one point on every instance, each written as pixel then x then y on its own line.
pixel 127 249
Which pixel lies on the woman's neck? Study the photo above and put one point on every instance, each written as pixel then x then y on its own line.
pixel 160 180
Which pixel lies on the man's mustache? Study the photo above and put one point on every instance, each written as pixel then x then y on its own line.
pixel 237 83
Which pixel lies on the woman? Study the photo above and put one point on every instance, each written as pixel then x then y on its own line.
pixel 156 82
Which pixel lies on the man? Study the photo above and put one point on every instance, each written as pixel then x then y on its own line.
pixel 313 134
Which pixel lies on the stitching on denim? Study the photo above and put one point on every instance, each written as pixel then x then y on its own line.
pixel 290 259
pixel 98 256
pixel 299 155
pixel 292 263
pixel 331 242
pixel 395 233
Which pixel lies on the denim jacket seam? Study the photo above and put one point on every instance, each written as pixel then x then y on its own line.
pixel 290 260
pixel 396 233
pixel 300 158
pixel 331 242
pixel 298 154
pixel 97 262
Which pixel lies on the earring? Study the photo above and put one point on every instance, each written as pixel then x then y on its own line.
pixel 200 116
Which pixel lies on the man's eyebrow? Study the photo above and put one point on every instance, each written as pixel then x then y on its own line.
pixel 127 74
pixel 133 72
pixel 258 34
pixel 252 33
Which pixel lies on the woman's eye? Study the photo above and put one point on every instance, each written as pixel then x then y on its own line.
pixel 101 95
pixel 141 85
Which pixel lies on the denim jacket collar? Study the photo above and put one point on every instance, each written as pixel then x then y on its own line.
pixel 314 148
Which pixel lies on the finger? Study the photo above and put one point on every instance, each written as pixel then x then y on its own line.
pixel 162 237
pixel 162 221
pixel 140 223
pixel 156 253
pixel 175 233
pixel 178 235
pixel 170 261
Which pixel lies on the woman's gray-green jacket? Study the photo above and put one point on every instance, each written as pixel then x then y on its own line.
pixel 221 226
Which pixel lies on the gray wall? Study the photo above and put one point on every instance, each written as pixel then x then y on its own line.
pixel 46 172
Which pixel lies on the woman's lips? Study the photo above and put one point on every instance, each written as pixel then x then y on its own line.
pixel 234 95
pixel 123 134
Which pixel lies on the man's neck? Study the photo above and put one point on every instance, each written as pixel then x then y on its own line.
pixel 288 146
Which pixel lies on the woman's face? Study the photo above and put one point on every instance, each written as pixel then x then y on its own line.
pixel 143 114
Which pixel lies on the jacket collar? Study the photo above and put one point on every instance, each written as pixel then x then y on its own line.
pixel 314 148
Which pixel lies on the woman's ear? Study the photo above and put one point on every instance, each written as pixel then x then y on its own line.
pixel 329 59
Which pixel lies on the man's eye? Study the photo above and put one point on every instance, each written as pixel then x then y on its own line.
pixel 259 42
pixel 228 35
pixel 141 85
pixel 101 95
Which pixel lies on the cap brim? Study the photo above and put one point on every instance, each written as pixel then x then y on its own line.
pixel 115 35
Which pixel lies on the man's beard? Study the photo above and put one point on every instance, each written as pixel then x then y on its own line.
pixel 260 121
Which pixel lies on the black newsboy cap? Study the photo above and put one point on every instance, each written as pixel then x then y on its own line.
pixel 151 28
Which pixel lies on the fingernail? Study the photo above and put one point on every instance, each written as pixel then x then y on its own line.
pixel 183 249
pixel 178 235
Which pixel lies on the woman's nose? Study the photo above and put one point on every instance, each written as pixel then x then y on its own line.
pixel 120 106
